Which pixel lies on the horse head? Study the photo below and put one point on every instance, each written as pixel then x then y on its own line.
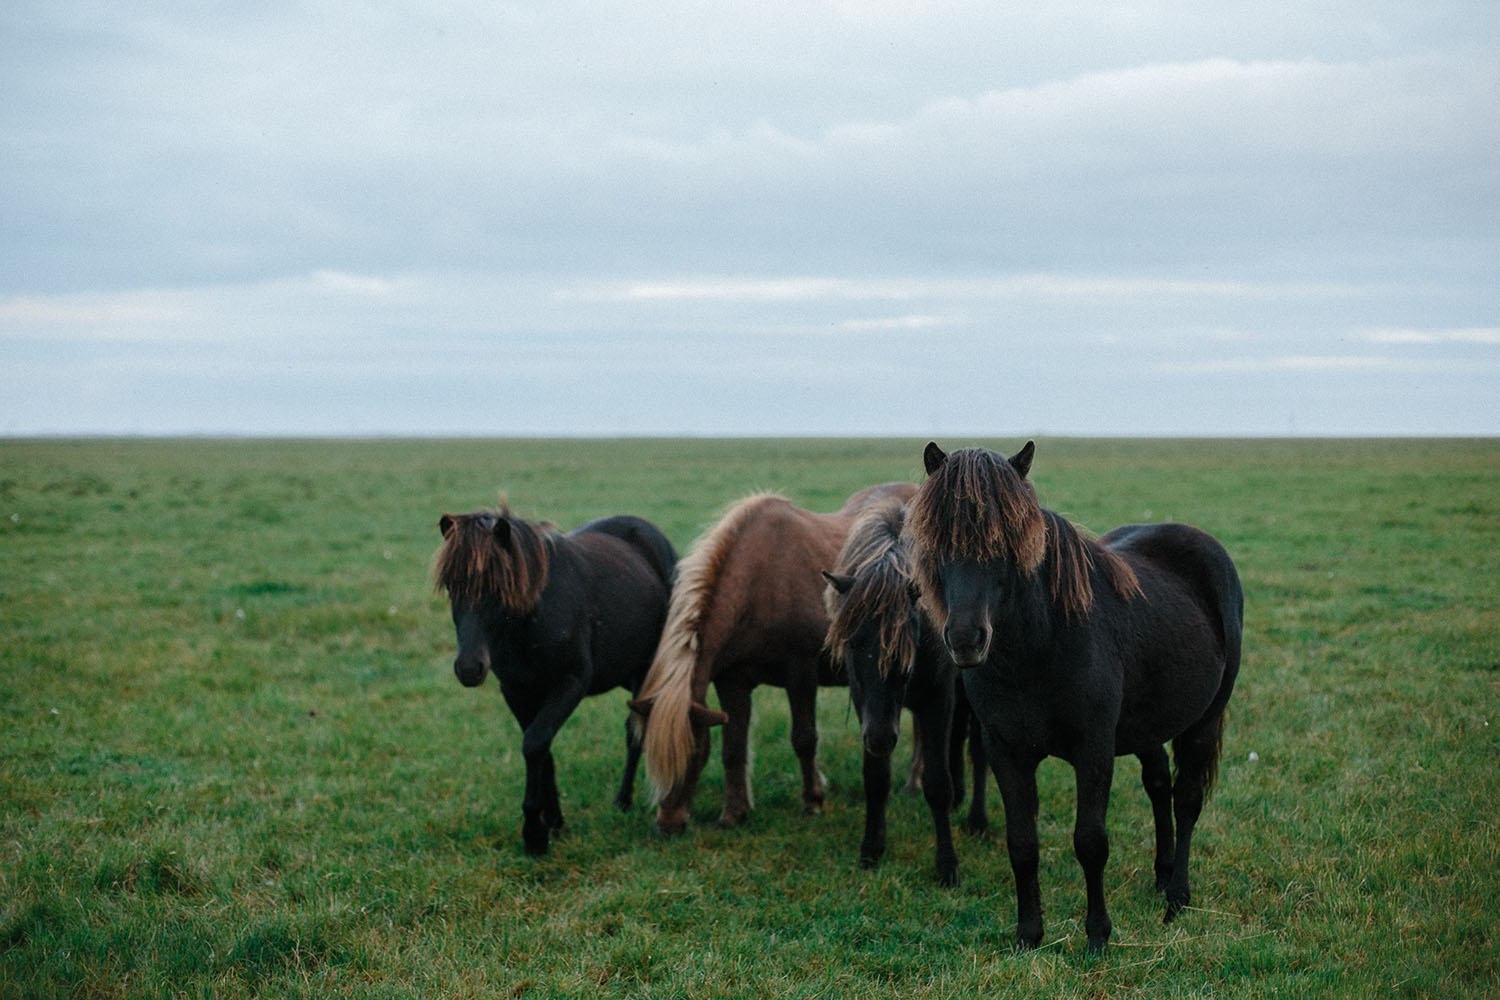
pixel 976 532
pixel 493 568
pixel 874 625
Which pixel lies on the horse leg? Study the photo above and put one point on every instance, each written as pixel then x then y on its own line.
pixel 914 774
pixel 734 699
pixel 802 697
pixel 956 732
pixel 541 809
pixel 934 721
pixel 978 820
pixel 1197 754
pixel 877 774
pixel 1016 777
pixel 966 725
pixel 1094 769
pixel 633 738
pixel 1156 776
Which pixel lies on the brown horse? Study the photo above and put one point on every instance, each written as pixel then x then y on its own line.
pixel 746 609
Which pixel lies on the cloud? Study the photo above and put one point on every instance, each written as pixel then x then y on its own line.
pixel 501 201
pixel 1327 364
pixel 1000 287
pixel 1468 335
pixel 102 313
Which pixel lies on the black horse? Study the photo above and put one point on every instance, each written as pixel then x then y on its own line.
pixel 1078 649
pixel 555 617
pixel 876 636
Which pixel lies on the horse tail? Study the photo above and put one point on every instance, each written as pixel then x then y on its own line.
pixel 1232 615
pixel 1223 582
pixel 678 670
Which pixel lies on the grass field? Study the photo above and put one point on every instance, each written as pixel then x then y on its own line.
pixel 234 761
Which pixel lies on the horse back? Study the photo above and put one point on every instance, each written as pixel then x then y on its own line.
pixel 1183 633
pixel 1194 558
pixel 767 602
pixel 643 535
pixel 610 582
pixel 857 502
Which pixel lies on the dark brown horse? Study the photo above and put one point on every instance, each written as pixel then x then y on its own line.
pixel 892 658
pixel 1078 649
pixel 555 617
pixel 746 609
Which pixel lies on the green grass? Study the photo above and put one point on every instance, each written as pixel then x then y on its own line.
pixel 234 761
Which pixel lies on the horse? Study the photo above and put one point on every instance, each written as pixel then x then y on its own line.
pixel 746 609
pixel 555 617
pixel 1081 649
pixel 891 658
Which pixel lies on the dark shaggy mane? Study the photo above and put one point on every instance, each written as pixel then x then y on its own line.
pixel 1071 555
pixel 874 555
pixel 473 564
pixel 977 506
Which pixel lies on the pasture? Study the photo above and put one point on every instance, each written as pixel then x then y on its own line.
pixel 235 762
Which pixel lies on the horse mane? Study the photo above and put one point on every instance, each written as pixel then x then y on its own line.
pixel 875 557
pixel 474 564
pixel 668 686
pixel 1072 555
pixel 977 506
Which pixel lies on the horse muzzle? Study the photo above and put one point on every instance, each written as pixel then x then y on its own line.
pixel 671 821
pixel 968 647
pixel 470 670
pixel 880 741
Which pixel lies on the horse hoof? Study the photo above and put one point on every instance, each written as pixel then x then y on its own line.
pixel 869 862
pixel 1175 905
pixel 948 878
pixel 728 821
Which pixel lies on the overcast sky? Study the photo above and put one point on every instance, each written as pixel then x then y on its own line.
pixel 924 218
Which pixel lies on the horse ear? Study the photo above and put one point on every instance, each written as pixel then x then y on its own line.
pixel 703 715
pixel 445 524
pixel 839 583
pixel 1021 460
pixel 933 456
pixel 913 591
pixel 501 531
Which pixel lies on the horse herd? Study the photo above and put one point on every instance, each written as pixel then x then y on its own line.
pixel 961 599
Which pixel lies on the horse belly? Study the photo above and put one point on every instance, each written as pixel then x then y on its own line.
pixel 1167 693
pixel 623 644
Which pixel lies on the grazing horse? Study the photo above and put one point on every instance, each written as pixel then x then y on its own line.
pixel 892 659
pixel 1078 649
pixel 555 617
pixel 746 609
